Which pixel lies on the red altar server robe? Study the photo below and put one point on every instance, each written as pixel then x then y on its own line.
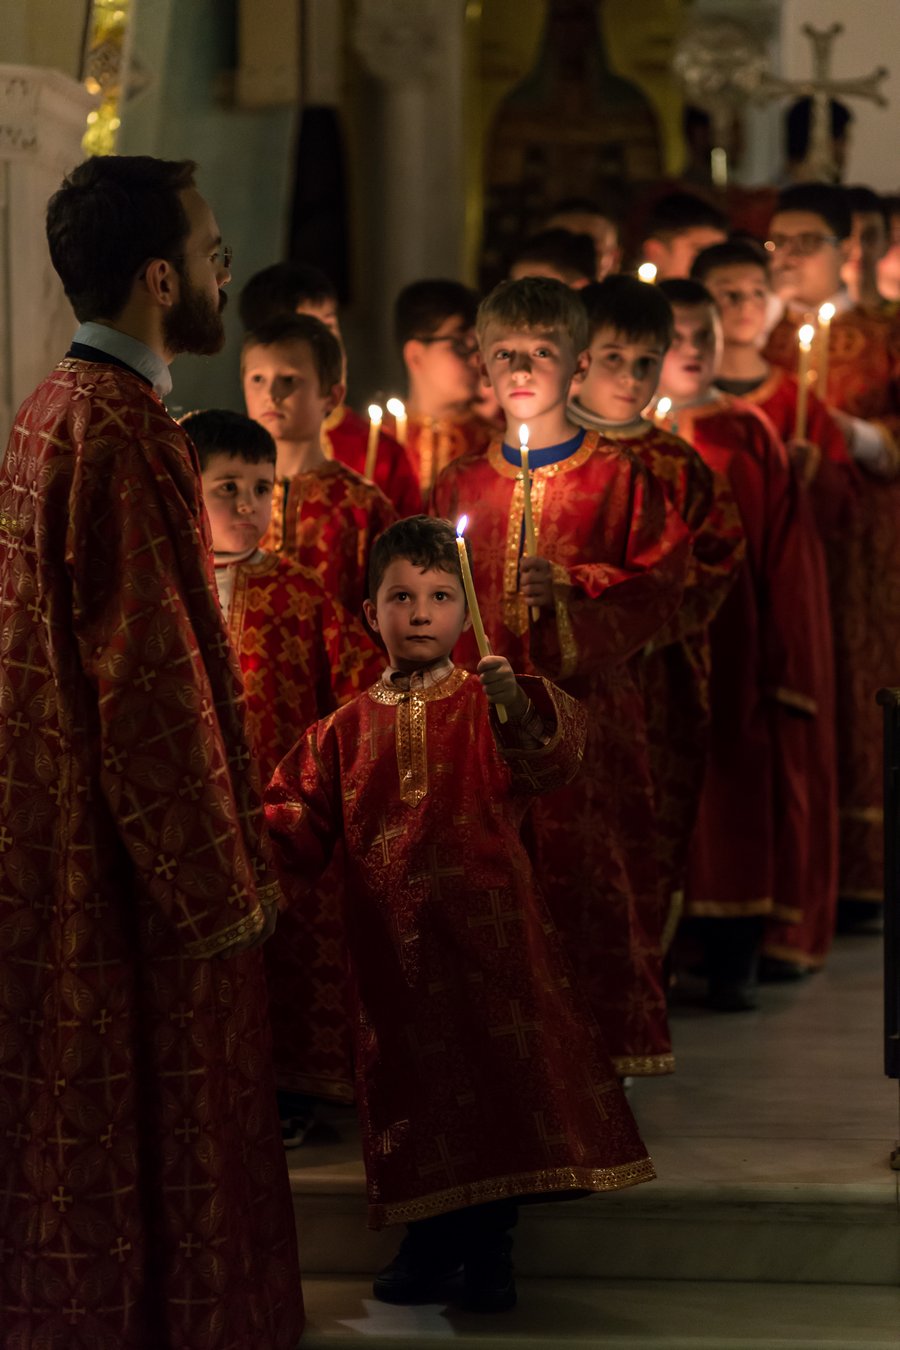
pixel 143 1189
pixel 620 556
pixel 302 655
pixel 765 841
pixel 864 569
pixel 328 518
pixel 434 442
pixel 480 1075
pixel 345 436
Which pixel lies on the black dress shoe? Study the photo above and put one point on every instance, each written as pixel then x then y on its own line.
pixel 774 970
pixel 490 1281
pixel 416 1276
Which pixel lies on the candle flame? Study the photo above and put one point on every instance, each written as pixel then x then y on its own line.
pixel 395 407
pixel 647 272
pixel 375 413
pixel 826 312
pixel 461 526
pixel 523 436
pixel 664 407
pixel 806 335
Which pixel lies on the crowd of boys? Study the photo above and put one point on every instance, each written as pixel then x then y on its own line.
pixel 498 857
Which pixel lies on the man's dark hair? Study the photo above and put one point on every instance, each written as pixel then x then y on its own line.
pixel 683 291
pixel 422 540
pixel 279 289
pixel 327 356
pixel 862 199
pixel 217 431
pixel 819 199
pixel 733 253
pixel 423 306
pixel 681 211
pixel 629 307
pixel 112 215
pixel 570 254
pixel 798 120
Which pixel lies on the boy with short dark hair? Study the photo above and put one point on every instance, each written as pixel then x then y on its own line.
pixel 434 327
pixel 324 514
pixel 481 1077
pixel 302 655
pixel 607 576
pixel 762 861
pixel 809 241
pixel 558 253
pixel 631 330
pixel 679 226
pixel 581 215
pixel 288 288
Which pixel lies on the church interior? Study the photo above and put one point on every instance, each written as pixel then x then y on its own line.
pixel 385 141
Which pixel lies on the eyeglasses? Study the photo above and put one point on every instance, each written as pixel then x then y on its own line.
pixel 464 348
pixel 804 245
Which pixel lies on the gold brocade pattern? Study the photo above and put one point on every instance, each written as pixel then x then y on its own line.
pixel 412 758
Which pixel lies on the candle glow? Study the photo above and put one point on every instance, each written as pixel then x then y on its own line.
pixel 375 417
pixel 484 647
pixel 647 272
pixel 805 337
pixel 663 408
pixel 825 315
pixel 397 408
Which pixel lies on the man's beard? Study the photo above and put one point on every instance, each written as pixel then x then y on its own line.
pixel 195 324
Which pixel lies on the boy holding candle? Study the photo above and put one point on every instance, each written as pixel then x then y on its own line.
pixel 323 514
pixel 631 328
pixel 763 856
pixel 293 288
pixel 301 656
pixel 434 326
pixel 809 243
pixel 607 576
pixel 481 1078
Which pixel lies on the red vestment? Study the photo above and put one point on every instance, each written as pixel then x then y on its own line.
pixel 619 556
pixel 302 655
pixel 143 1189
pixel 765 841
pixel 345 436
pixel 328 518
pixel 433 443
pixel 479 1073
pixel 864 571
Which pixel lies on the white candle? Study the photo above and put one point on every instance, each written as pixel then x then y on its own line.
pixel 805 337
pixel 663 408
pixel 530 536
pixel 375 416
pixel 647 272
pixel 397 408
pixel 823 343
pixel 484 647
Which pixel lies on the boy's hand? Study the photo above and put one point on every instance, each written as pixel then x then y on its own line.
pixel 501 686
pixel 806 458
pixel 536 582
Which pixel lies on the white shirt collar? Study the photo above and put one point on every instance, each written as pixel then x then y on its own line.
pixel 128 349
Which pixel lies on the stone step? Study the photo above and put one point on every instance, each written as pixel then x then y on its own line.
pixel 630 1315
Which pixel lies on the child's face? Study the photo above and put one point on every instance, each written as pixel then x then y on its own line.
pixel 444 364
pixel 325 311
pixel 741 292
pixel 806 257
pixel 622 376
pixel 690 362
pixel 868 245
pixel 419 614
pixel 531 371
pixel 674 257
pixel 238 500
pixel 282 391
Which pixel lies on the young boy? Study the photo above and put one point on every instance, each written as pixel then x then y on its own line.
pixel 608 573
pixel 736 274
pixel 583 216
pixel 764 847
pixel 631 329
pixel 294 288
pixel 302 655
pixel 809 242
pixel 481 1078
pixel 680 225
pixel 323 514
pixel 434 326
pixel 557 253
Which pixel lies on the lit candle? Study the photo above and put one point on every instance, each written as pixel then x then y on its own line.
pixel 484 647
pixel 530 537
pixel 375 416
pixel 647 272
pixel 823 343
pixel 397 408
pixel 663 408
pixel 805 336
